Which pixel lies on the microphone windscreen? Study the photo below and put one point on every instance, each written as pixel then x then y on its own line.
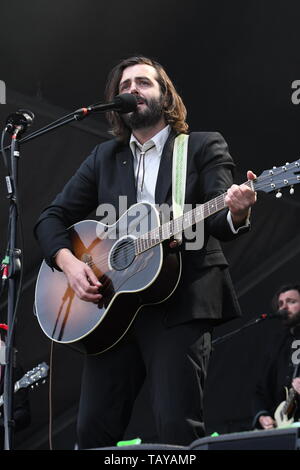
pixel 126 103
pixel 22 117
pixel 27 114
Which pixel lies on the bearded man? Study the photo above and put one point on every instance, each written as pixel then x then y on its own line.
pixel 169 343
pixel 281 365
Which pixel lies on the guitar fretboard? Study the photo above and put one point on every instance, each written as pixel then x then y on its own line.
pixel 188 219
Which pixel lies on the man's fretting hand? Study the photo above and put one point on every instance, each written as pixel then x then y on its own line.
pixel 239 200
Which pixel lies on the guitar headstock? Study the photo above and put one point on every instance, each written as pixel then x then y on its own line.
pixel 34 375
pixel 278 177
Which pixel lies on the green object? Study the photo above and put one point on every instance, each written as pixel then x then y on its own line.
pixel 133 442
pixel 214 434
pixel 5 260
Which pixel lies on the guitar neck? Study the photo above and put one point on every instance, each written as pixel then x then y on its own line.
pixel 188 219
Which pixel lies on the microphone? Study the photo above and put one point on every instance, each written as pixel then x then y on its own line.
pixel 278 315
pixel 20 120
pixel 124 103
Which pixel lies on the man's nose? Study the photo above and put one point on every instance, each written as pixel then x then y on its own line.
pixel 133 89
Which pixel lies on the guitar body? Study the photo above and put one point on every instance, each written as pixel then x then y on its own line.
pixel 285 411
pixel 129 280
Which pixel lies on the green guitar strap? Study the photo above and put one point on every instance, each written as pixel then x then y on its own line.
pixel 179 177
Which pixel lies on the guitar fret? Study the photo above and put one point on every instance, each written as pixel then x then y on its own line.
pixel 173 227
pixel 211 207
pixel 167 230
pixel 178 225
pixel 199 213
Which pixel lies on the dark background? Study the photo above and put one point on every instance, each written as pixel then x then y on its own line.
pixel 234 64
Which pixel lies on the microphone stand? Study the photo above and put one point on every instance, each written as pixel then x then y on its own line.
pixel 223 338
pixel 13 259
pixel 77 115
pixel 13 268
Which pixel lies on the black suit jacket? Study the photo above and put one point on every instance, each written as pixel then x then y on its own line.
pixel 205 289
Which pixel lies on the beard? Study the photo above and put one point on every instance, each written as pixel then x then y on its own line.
pixel 147 117
pixel 292 320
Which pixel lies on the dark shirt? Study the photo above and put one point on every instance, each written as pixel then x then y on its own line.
pixel 278 373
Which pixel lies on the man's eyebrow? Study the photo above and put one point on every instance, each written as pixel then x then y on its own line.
pixel 287 298
pixel 142 77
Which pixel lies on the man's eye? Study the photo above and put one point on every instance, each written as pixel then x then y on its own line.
pixel 123 87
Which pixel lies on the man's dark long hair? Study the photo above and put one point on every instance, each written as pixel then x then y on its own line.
pixel 174 109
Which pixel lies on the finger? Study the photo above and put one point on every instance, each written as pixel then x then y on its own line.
pixel 238 193
pixel 92 277
pixel 234 189
pixel 88 286
pixel 233 194
pixel 251 175
pixel 237 200
pixel 268 424
pixel 84 290
pixel 245 198
pixel 83 281
pixel 83 295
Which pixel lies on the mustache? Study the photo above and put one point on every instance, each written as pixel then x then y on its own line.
pixel 141 100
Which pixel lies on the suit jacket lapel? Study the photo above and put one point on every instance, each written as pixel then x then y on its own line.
pixel 126 175
pixel 164 178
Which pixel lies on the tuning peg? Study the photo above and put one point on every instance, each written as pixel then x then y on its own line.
pixel 278 194
pixel 292 190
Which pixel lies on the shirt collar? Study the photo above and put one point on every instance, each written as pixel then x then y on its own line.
pixel 158 140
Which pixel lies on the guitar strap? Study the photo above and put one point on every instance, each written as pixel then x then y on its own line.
pixel 179 177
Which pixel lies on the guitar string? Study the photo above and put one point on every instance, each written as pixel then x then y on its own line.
pixel 129 249
pixel 108 281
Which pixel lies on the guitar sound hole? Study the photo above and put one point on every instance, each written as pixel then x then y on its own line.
pixel 123 254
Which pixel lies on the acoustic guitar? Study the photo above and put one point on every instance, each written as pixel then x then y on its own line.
pixel 131 262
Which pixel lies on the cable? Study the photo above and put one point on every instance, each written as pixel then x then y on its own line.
pixel 3 149
pixel 50 395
